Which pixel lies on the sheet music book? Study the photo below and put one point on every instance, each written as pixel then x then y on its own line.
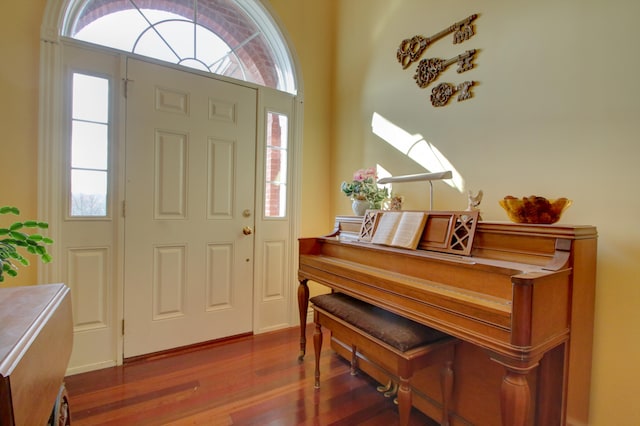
pixel 400 229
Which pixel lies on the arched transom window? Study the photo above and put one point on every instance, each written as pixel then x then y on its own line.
pixel 233 38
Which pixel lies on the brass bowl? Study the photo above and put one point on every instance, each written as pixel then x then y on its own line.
pixel 534 209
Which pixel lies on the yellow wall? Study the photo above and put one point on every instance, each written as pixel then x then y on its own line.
pixel 310 27
pixel 19 46
pixel 554 113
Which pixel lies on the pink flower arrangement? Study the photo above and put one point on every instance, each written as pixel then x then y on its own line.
pixel 364 174
pixel 364 187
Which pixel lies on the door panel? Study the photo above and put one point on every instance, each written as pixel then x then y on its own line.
pixel 86 247
pixel 190 177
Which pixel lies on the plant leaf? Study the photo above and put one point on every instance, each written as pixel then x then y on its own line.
pixel 18 235
pixel 33 243
pixel 9 209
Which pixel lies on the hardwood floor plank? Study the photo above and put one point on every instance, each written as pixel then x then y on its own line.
pixel 155 395
pixel 253 380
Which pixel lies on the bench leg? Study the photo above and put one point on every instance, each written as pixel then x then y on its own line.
pixel 317 346
pixel 404 401
pixel 354 360
pixel 447 391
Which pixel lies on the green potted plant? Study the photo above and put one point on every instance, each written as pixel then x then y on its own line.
pixel 16 238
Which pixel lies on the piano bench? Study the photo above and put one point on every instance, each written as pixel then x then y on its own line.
pixel 398 345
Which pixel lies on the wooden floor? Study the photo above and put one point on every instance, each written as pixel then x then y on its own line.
pixel 254 380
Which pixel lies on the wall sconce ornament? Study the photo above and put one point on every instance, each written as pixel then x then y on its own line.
pixel 412 48
pixel 441 94
pixel 429 69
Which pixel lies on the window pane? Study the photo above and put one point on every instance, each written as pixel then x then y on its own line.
pixel 95 32
pixel 151 44
pixel 89 145
pixel 276 198
pixel 90 98
pixel 276 165
pixel 209 47
pixel 88 193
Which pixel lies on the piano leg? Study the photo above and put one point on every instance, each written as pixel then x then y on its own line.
pixel 404 401
pixel 303 306
pixel 515 398
pixel 551 383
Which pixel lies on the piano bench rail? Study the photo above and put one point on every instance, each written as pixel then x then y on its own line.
pixel 398 345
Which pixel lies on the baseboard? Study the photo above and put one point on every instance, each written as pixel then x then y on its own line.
pixel 89 367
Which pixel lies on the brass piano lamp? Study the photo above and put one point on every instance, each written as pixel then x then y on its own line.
pixel 430 177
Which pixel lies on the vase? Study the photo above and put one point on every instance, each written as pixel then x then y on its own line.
pixel 359 207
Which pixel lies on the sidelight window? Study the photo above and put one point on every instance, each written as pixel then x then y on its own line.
pixel 276 165
pixel 89 171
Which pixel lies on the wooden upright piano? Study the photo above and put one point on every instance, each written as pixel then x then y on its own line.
pixel 521 302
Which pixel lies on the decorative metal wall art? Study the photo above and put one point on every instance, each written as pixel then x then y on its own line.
pixel 412 48
pixel 428 70
pixel 441 94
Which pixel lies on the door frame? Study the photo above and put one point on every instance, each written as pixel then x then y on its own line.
pixel 51 148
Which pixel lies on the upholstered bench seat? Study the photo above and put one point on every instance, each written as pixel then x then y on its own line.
pixel 399 332
pixel 398 345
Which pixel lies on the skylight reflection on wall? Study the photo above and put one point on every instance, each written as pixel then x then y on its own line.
pixel 383 173
pixel 416 148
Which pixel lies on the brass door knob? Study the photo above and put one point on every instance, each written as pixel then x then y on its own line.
pixel 247 230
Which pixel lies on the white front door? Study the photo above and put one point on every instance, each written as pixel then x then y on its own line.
pixel 189 209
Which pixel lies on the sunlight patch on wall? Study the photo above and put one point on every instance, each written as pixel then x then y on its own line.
pixel 416 148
